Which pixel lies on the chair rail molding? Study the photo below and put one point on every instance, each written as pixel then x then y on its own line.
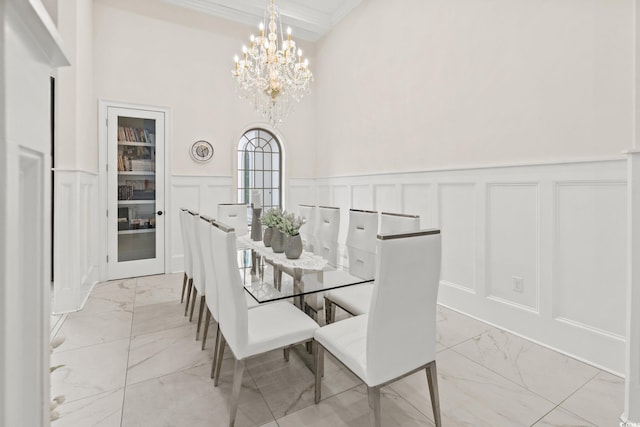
pixel 538 250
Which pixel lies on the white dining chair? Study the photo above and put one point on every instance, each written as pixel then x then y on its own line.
pixel 395 223
pixel 308 213
pixel 183 213
pixel 192 264
pixel 249 332
pixel 361 240
pixel 211 287
pixel 235 216
pixel 327 224
pixel 398 335
pixel 198 269
pixel 325 244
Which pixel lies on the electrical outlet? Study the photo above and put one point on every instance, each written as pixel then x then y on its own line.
pixel 518 284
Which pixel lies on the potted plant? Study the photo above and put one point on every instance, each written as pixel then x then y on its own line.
pixel 291 228
pixel 270 220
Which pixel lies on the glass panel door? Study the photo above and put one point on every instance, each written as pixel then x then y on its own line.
pixel 136 172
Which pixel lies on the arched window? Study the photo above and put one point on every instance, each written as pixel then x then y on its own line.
pixel 259 168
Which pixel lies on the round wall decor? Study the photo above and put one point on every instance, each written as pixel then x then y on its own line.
pixel 202 151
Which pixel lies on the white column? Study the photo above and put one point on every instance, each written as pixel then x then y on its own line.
pixel 631 414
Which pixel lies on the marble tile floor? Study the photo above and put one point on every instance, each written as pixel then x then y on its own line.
pixel 131 359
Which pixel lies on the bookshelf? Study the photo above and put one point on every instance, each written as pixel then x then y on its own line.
pixel 136 162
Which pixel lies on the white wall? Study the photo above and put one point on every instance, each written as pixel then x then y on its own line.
pixel 29 51
pixel 560 227
pixel 426 83
pixel 150 53
pixel 76 162
pixel 76 107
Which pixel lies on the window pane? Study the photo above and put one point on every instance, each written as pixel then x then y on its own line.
pixel 267 180
pixel 275 197
pixel 259 160
pixel 275 162
pixel 267 161
pixel 267 198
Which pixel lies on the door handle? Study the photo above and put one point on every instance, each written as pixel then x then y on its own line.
pixel 159 213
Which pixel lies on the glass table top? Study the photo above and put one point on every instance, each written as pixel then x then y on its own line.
pixel 268 277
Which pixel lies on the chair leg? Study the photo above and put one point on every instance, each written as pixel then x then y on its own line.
pixel 193 302
pixel 184 286
pixel 374 406
pixel 329 311
pixel 432 380
pixel 235 391
pixel 202 304
pixel 206 328
pixel 189 287
pixel 285 352
pixel 215 351
pixel 219 358
pixel 277 278
pixel 318 364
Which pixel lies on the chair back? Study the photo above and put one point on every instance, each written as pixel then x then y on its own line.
pixel 308 214
pixel 196 251
pixel 210 280
pixel 363 229
pixel 234 215
pixel 186 246
pixel 327 224
pixel 395 223
pixel 362 263
pixel 401 329
pixel 233 305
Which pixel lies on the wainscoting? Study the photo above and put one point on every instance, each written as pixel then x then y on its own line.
pixel 76 239
pixel 539 250
pixel 200 193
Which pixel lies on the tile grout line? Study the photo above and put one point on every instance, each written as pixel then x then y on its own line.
pixel 524 387
pixel 126 373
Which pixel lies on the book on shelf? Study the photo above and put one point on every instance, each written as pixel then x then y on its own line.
pixel 125 192
pixel 131 134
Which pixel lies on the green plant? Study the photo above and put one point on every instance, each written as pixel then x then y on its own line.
pixel 272 218
pixel 291 224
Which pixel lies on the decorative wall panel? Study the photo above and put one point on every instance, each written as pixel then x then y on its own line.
pixel 513 244
pixel 559 227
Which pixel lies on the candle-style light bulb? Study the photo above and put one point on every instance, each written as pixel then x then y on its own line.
pixel 236 59
pixel 289 33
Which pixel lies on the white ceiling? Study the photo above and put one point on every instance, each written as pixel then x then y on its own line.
pixel 309 19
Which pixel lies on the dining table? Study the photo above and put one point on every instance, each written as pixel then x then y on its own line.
pixel 322 266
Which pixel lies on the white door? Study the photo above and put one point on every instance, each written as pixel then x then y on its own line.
pixel 135 215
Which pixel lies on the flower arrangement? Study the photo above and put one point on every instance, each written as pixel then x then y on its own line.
pixel 291 224
pixel 272 218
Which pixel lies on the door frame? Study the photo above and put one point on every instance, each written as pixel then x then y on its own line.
pixel 103 106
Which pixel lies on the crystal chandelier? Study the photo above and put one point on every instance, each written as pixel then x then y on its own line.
pixel 269 76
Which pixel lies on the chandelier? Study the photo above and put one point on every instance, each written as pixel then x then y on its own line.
pixel 272 74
